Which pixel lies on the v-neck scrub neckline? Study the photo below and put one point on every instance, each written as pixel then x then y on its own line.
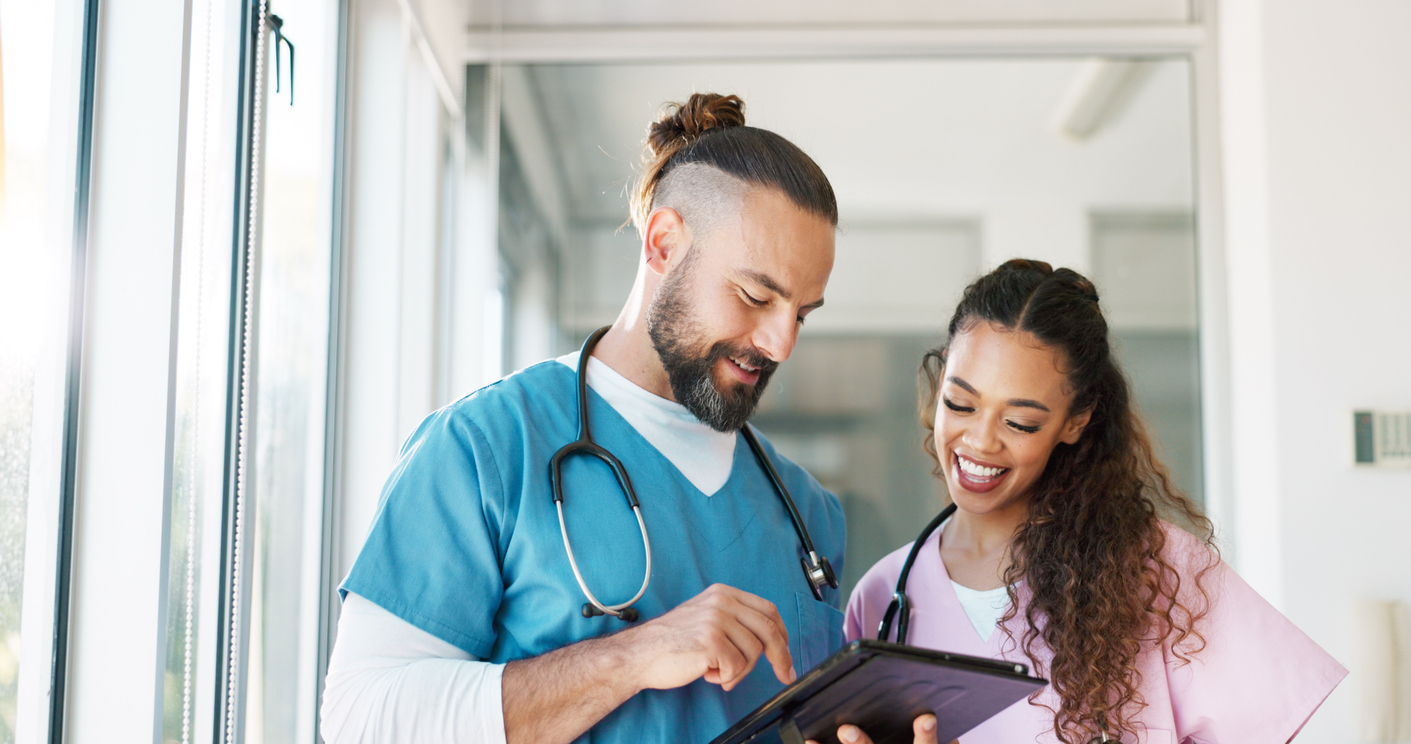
pixel 702 454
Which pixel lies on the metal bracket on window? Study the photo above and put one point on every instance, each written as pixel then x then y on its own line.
pixel 277 24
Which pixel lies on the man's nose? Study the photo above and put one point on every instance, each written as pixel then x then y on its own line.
pixel 776 334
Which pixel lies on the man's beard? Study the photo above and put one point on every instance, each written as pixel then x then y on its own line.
pixel 690 371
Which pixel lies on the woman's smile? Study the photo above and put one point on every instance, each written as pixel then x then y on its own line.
pixel 1001 409
pixel 976 476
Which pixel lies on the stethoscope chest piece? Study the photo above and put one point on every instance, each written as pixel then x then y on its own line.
pixel 819 573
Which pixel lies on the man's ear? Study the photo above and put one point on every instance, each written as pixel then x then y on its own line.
pixel 665 237
pixel 1073 427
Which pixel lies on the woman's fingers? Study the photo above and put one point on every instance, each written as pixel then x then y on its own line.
pixel 924 727
pixel 851 734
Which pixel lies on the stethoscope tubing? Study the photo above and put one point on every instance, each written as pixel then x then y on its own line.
pixel 748 433
pixel 606 609
pixel 816 569
pixel 900 606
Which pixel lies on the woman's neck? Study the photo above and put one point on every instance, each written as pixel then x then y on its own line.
pixel 975 547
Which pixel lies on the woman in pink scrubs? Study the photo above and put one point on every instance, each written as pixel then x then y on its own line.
pixel 1056 556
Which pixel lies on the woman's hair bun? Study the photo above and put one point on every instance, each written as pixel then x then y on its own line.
pixel 1026 264
pixel 1067 277
pixel 683 123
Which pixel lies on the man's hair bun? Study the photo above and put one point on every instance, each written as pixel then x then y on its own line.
pixel 709 129
pixel 680 124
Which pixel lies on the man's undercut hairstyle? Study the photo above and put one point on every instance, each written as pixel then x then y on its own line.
pixel 702 160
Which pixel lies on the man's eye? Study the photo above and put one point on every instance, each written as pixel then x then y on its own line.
pixel 958 409
pixel 756 302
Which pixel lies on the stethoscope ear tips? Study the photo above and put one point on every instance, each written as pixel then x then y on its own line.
pixel 626 615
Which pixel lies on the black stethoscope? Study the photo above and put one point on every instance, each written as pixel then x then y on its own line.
pixel 900 607
pixel 816 569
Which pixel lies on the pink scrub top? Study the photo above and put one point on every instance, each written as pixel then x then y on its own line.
pixel 1257 681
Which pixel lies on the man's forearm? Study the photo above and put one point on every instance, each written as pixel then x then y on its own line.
pixel 554 698
pixel 717 635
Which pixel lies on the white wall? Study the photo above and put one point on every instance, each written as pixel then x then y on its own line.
pixel 1317 139
pixel 395 324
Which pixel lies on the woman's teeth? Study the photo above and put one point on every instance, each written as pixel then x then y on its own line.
pixel 742 365
pixel 975 469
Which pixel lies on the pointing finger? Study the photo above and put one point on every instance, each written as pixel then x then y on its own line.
pixel 775 638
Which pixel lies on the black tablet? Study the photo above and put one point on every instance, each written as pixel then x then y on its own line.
pixel 881 688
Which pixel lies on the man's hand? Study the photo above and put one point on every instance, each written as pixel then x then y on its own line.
pixel 719 634
pixel 924 727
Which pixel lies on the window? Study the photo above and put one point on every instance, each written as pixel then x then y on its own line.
pixel 247 516
pixel 41 87
pixel 287 508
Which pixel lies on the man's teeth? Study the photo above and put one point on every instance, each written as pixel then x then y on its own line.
pixel 974 469
pixel 742 365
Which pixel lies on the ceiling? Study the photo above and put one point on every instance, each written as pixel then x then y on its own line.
pixel 942 168
pixel 795 13
pixel 898 139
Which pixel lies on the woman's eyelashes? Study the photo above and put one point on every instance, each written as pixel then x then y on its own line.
pixel 1012 424
pixel 957 408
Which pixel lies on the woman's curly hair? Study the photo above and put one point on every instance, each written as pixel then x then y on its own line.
pixel 1090 550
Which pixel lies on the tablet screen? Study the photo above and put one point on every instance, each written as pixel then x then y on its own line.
pixel 881 687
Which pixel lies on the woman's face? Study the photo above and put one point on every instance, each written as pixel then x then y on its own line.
pixel 1003 408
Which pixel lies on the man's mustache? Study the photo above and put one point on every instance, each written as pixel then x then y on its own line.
pixel 749 355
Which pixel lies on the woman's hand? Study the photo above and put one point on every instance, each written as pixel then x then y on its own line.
pixel 924 727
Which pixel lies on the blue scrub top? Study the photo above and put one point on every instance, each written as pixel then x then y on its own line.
pixel 466 544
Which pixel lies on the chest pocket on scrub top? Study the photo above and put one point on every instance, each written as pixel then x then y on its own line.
pixel 820 632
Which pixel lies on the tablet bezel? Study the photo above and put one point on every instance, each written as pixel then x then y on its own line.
pixel 847 660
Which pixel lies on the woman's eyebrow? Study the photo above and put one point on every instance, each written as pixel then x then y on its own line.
pixel 1016 402
pixel 967 387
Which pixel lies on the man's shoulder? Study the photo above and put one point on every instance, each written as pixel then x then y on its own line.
pixel 536 399
pixel 539 388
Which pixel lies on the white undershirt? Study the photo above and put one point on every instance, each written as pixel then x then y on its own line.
pixel 984 608
pixel 701 453
pixel 390 682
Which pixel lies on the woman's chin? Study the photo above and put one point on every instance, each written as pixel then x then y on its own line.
pixel 978 503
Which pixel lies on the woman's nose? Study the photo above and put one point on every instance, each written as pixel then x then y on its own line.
pixel 983 436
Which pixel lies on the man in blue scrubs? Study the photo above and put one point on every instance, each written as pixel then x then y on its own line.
pixel 462 613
